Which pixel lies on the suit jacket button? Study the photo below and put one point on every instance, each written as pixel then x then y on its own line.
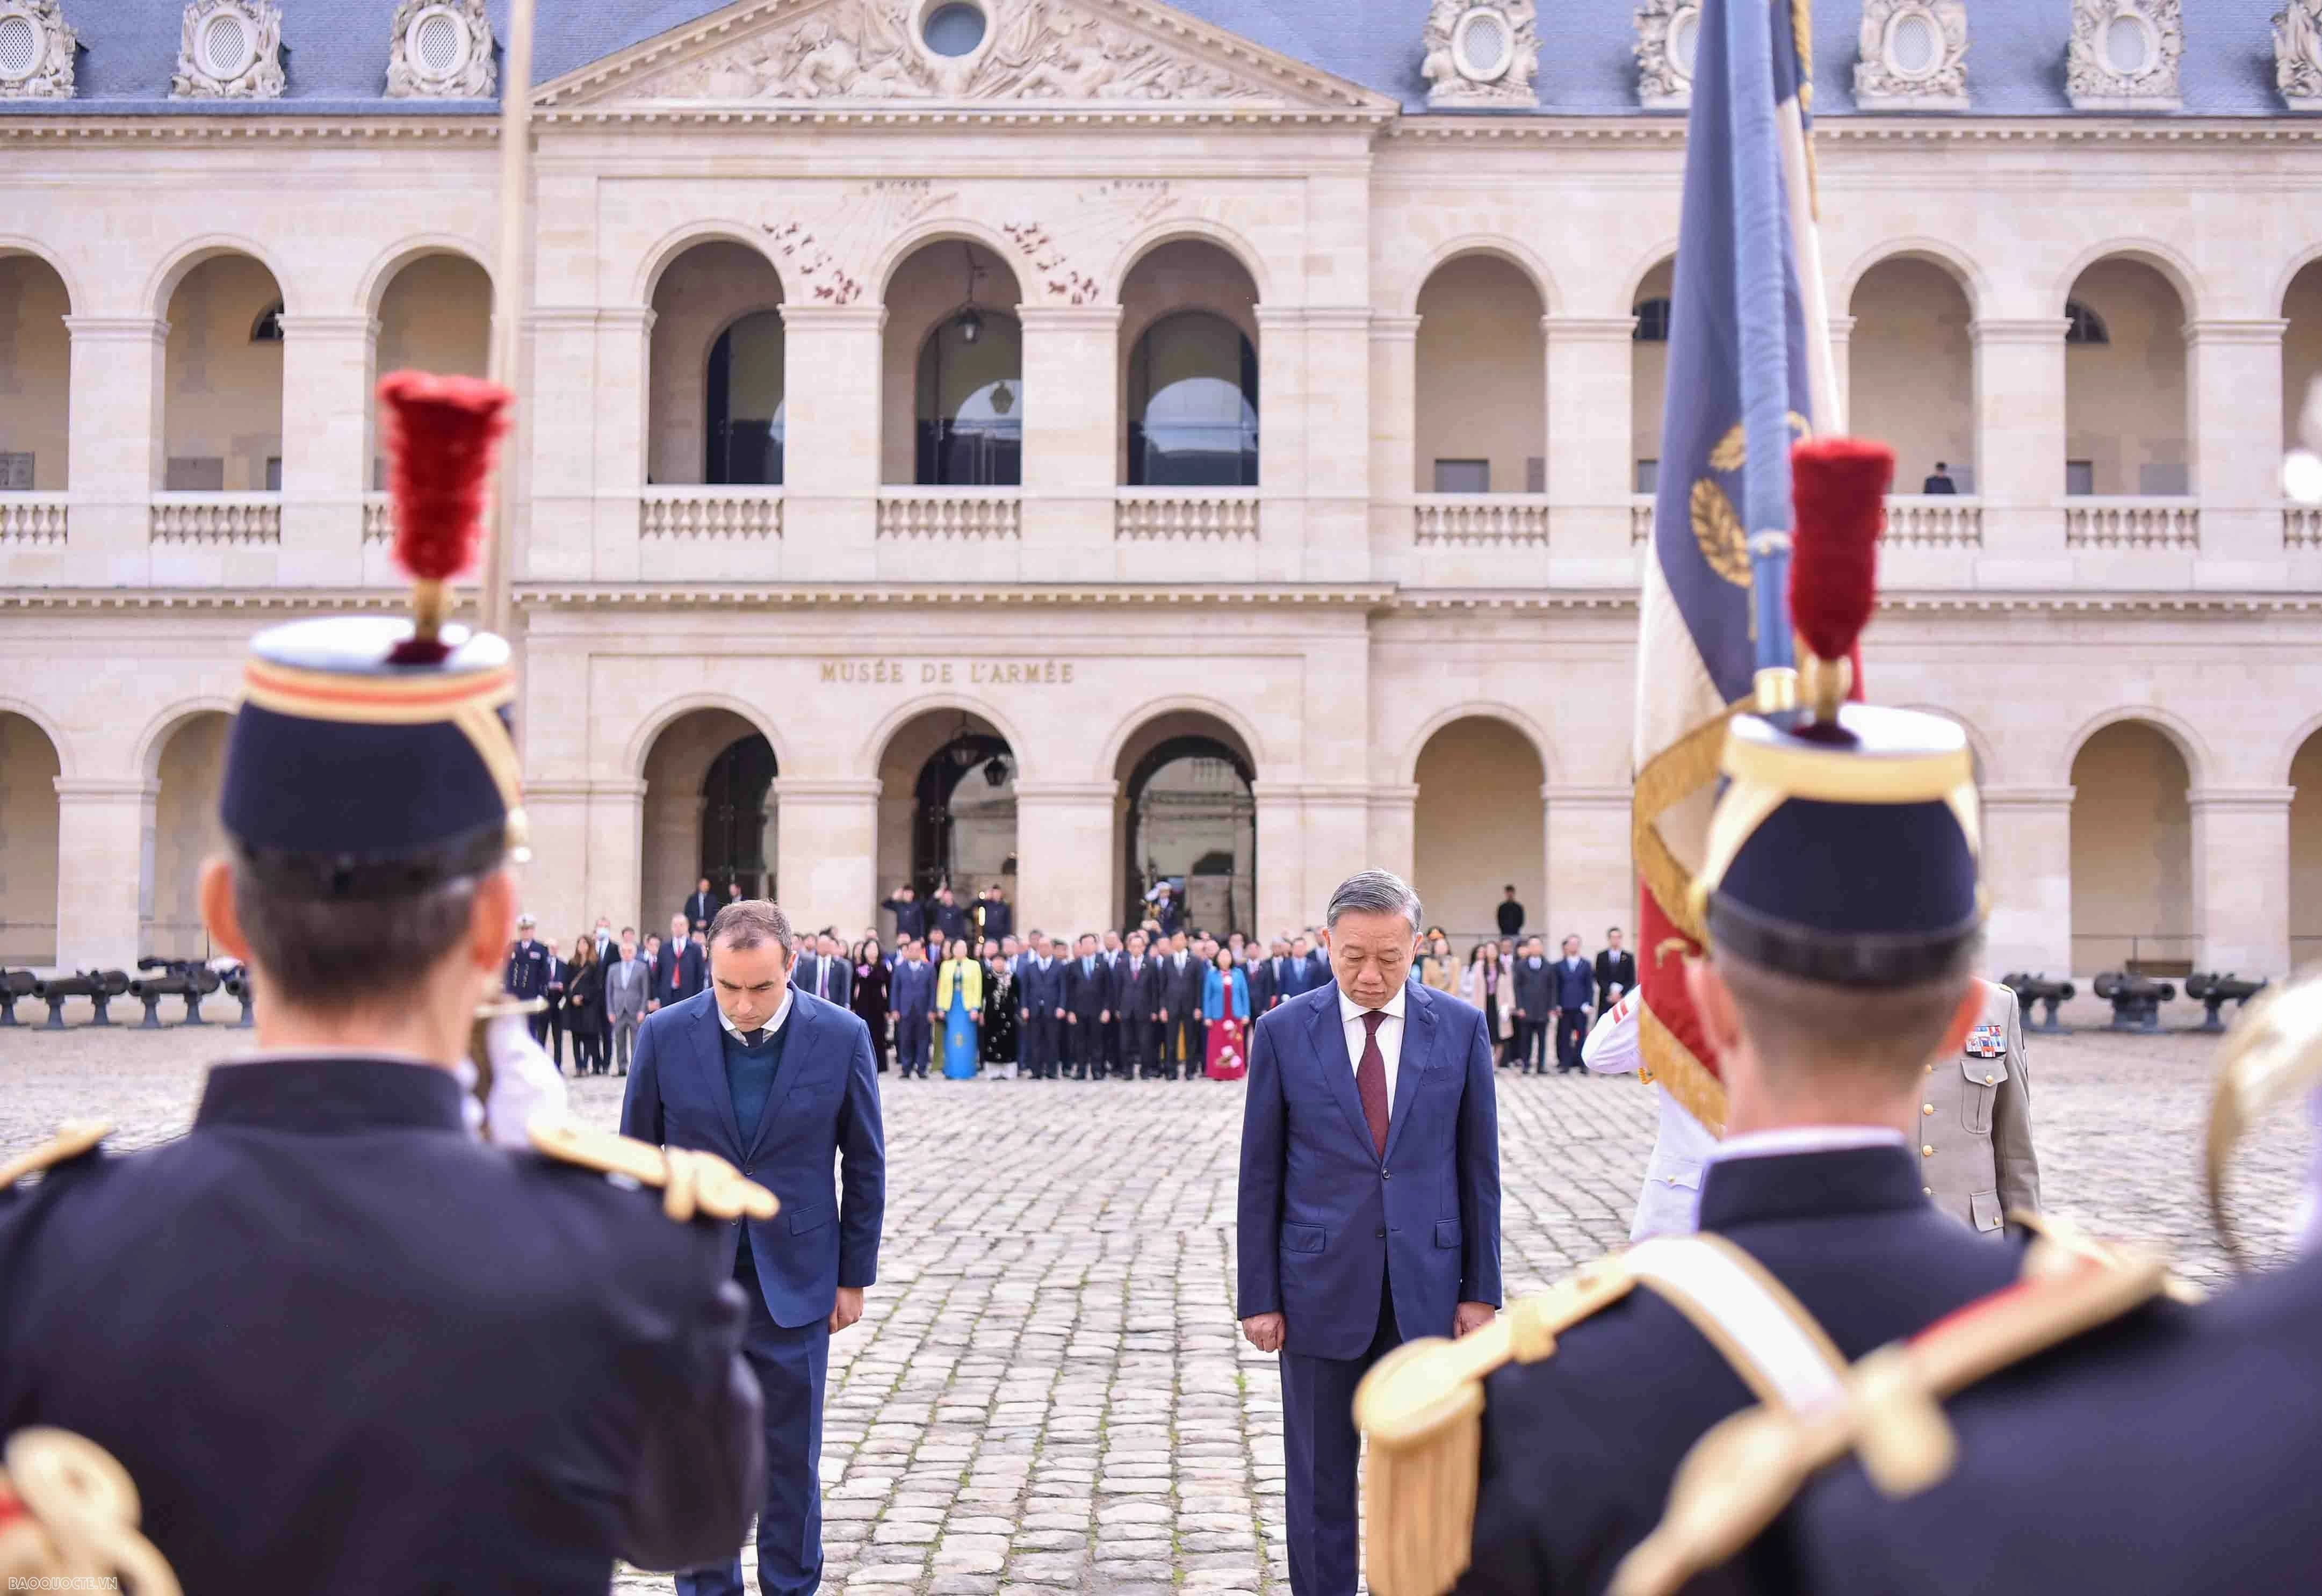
pixel 1382 1231
pixel 1387 1174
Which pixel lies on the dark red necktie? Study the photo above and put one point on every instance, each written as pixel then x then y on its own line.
pixel 1370 1081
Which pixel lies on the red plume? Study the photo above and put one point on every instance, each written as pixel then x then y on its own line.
pixel 443 432
pixel 1839 488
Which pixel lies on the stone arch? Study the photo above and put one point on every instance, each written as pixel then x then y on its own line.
pixel 31 830
pixel 36 367
pixel 1479 376
pixel 2181 732
pixel 670 711
pixel 671 245
pixel 873 750
pixel 700 812
pixel 1498 246
pixel 1200 229
pixel 2134 895
pixel 2305 759
pixel 947 820
pixel 1909 365
pixel 700 292
pixel 2289 274
pixel 2165 259
pixel 1152 709
pixel 68 765
pixel 186 770
pixel 1407 766
pixel 1662 254
pixel 193 252
pixel 938 230
pixel 1479 817
pixel 1186 772
pixel 14 243
pixel 1956 263
pixel 384 268
pixel 165 725
pixel 2309 729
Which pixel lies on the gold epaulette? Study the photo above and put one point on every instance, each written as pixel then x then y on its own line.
pixel 77 1523
pixel 1421 1407
pixel 73 1138
pixel 689 1180
pixel 1747 1469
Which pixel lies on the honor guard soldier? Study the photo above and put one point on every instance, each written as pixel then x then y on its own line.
pixel 2085 1446
pixel 1840 898
pixel 339 1342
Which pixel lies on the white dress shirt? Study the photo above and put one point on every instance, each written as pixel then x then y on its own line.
pixel 769 1027
pixel 1804 1138
pixel 1390 1035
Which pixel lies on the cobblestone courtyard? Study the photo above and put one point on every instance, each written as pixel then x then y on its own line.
pixel 1046 1389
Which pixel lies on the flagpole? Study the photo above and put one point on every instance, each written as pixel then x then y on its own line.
pixel 510 293
pixel 1798 182
pixel 1758 222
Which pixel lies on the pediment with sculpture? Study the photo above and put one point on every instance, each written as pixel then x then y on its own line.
pixel 1111 53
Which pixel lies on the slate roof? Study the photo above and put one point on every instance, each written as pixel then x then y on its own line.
pixel 336 53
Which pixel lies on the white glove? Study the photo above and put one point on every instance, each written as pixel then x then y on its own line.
pixel 525 1083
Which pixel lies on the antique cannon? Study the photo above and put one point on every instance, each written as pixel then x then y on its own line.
pixel 237 987
pixel 100 987
pixel 2217 990
pixel 2038 989
pixel 189 979
pixel 15 984
pixel 2135 999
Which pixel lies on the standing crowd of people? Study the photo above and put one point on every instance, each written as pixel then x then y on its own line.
pixel 957 989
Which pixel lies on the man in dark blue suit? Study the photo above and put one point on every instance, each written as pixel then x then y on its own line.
pixel 1351 1085
pixel 1300 973
pixel 1842 934
pixel 1040 983
pixel 911 1001
pixel 1572 990
pixel 1087 1008
pixel 781 1084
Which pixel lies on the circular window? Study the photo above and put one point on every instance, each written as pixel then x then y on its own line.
pixel 954 29
pixel 2128 44
pixel 20 46
pixel 228 46
pixel 437 43
pixel 1915 46
pixel 1684 41
pixel 1482 48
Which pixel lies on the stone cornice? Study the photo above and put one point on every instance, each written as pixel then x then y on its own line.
pixel 1376 598
pixel 1125 116
pixel 2030 131
pixel 481 129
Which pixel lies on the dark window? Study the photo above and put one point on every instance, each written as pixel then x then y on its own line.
pixel 2080 477
pixel 16 471
pixel 746 400
pixel 1463 476
pixel 1193 405
pixel 195 474
pixel 2083 325
pixel 273 473
pixel 970 402
pixel 1649 476
pixel 734 794
pixel 1653 321
pixel 955 29
pixel 268 328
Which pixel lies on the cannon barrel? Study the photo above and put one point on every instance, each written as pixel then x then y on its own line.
pixel 15 984
pixel 100 987
pixel 2030 989
pixel 2215 992
pixel 188 979
pixel 237 987
pixel 2135 999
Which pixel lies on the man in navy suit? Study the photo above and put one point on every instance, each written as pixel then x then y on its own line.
pixel 780 1084
pixel 1572 989
pixel 1087 1008
pixel 678 970
pixel 1350 1085
pixel 911 1004
pixel 1300 974
pixel 1137 999
pixel 827 971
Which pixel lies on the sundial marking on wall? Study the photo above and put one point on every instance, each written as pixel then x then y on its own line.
pixel 1103 218
pixel 823 257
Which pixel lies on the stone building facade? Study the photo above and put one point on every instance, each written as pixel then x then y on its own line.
pixel 1283 509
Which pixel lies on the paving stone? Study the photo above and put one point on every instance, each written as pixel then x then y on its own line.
pixel 1046 1393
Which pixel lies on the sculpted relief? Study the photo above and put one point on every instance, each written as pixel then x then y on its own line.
pixel 1039 49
